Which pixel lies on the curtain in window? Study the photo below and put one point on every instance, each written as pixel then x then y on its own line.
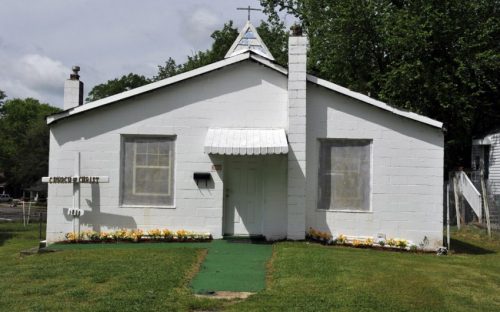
pixel 344 174
pixel 147 171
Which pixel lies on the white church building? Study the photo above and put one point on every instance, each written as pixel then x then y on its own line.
pixel 244 146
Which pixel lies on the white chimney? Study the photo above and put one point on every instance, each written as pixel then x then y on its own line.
pixel 73 90
pixel 297 59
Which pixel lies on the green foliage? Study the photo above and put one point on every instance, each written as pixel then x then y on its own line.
pixel 24 142
pixel 168 70
pixel 2 97
pixel 275 36
pixel 223 39
pixel 111 87
pixel 437 58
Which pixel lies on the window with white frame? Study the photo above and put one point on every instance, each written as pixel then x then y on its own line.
pixel 344 174
pixel 147 171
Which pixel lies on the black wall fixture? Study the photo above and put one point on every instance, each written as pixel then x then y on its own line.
pixel 202 177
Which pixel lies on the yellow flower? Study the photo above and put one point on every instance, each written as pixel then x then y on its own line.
pixel 71 236
pixel 391 242
pixel 154 233
pixel 103 235
pixel 121 233
pixel 167 234
pixel 402 243
pixel 181 234
pixel 341 239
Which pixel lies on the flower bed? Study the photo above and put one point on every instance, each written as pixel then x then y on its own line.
pixel 136 236
pixel 360 242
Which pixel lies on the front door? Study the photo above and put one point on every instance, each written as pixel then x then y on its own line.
pixel 243 196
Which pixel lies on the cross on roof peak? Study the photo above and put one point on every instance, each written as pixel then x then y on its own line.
pixel 249 9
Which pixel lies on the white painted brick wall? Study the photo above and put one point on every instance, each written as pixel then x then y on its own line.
pixel 244 95
pixel 297 47
pixel 407 170
pixel 407 157
pixel 73 92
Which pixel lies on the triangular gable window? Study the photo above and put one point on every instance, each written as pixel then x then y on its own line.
pixel 249 40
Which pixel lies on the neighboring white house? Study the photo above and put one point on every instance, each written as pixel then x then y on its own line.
pixel 486 158
pixel 283 151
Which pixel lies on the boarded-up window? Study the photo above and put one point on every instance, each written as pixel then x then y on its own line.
pixel 148 171
pixel 344 174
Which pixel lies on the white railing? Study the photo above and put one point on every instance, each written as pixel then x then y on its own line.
pixel 470 193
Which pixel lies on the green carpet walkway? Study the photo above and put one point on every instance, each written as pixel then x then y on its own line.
pixel 229 265
pixel 233 267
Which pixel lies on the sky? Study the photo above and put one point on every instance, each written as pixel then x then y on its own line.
pixel 40 40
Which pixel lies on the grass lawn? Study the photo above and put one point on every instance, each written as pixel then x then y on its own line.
pixel 94 280
pixel 227 266
pixel 318 278
pixel 301 277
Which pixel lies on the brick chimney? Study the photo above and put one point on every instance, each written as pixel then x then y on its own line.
pixel 297 59
pixel 73 90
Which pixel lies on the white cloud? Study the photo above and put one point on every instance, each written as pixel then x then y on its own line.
pixel 42 73
pixel 33 75
pixel 105 39
pixel 198 25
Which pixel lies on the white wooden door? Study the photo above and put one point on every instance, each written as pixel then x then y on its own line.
pixel 243 192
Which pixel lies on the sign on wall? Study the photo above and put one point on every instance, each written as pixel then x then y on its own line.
pixel 76 179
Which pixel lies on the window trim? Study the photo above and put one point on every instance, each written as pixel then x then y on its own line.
pixel 123 137
pixel 370 182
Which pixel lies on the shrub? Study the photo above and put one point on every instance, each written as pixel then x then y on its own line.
pixel 391 242
pixel 121 234
pixel 341 239
pixel 167 234
pixel 401 243
pixel 90 235
pixel 135 235
pixel 71 236
pixel 318 235
pixel 155 234
pixel 108 236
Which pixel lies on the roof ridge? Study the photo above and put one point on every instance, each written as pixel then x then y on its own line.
pixel 249 55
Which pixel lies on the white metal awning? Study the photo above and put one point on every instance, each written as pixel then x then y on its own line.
pixel 232 141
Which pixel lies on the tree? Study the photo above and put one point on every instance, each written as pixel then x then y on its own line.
pixel 223 39
pixel 437 58
pixel 168 70
pixel 24 142
pixel 111 87
pixel 275 36
pixel 2 97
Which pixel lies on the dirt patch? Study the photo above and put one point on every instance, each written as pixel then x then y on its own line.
pixel 201 255
pixel 270 268
pixel 226 295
